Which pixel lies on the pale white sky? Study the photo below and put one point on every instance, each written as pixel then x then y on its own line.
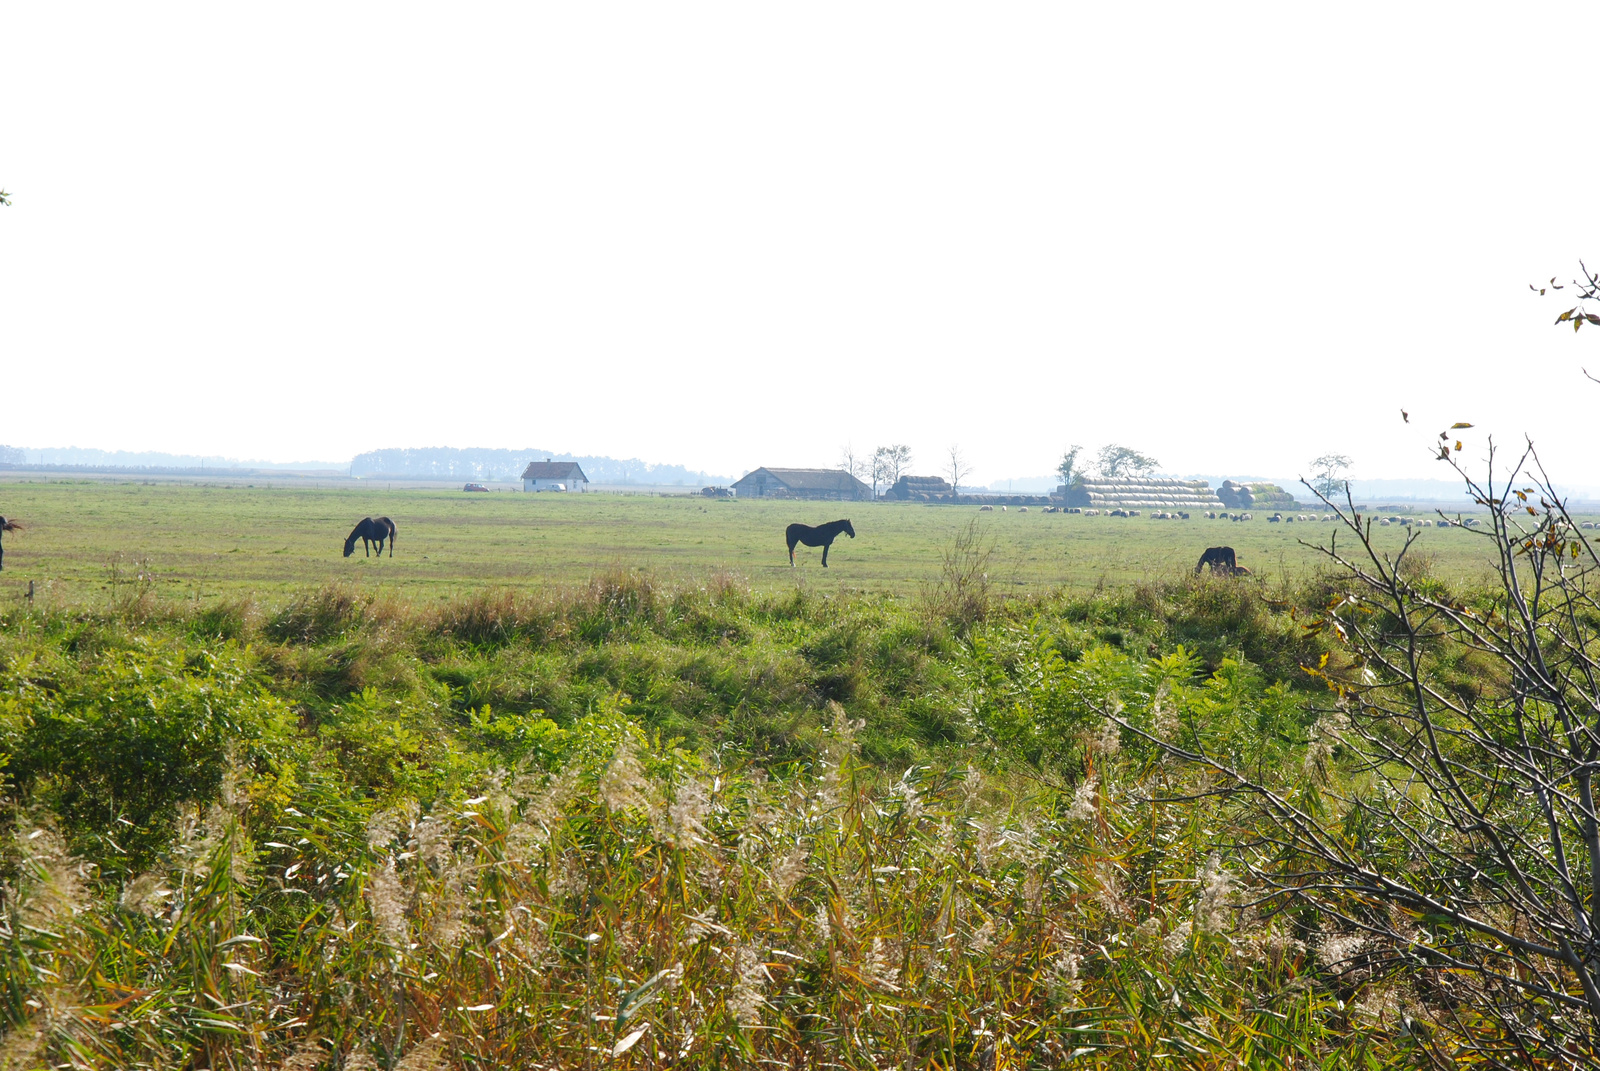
pixel 1233 236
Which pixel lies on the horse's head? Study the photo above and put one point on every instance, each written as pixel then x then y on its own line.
pixel 350 545
pixel 849 530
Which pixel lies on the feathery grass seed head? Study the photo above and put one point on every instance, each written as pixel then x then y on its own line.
pixel 790 869
pixel 386 897
pixel 146 894
pixel 745 1001
pixel 624 785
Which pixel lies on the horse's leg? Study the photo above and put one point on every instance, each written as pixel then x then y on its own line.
pixel 792 543
pixel 825 547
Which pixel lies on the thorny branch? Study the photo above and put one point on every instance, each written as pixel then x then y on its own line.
pixel 1462 839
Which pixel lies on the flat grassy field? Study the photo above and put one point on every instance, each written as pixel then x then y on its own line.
pixel 200 541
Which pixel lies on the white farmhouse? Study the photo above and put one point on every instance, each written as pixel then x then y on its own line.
pixel 550 475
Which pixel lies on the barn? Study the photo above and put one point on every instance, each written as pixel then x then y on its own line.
pixel 550 475
pixel 834 484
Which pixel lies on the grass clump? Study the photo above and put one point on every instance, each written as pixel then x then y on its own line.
pixel 646 826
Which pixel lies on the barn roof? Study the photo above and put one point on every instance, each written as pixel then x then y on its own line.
pixel 812 480
pixel 554 470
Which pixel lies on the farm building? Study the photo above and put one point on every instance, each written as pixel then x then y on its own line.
pixel 1140 492
pixel 554 476
pixel 803 483
pixel 1255 496
pixel 918 488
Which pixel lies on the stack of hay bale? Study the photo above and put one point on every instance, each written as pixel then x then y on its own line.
pixel 1140 492
pixel 1255 496
pixel 1271 496
pixel 918 488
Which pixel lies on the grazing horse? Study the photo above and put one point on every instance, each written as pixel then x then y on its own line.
pixel 1221 560
pixel 371 530
pixel 822 536
pixel 6 526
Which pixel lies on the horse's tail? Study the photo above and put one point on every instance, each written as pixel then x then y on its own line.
pixel 10 526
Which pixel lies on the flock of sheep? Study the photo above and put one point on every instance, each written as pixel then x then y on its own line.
pixel 1276 518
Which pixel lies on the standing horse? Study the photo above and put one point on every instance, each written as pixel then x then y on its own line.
pixel 1221 560
pixel 6 526
pixel 822 536
pixel 371 530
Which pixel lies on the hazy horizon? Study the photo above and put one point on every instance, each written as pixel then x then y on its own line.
pixel 732 236
pixel 1371 489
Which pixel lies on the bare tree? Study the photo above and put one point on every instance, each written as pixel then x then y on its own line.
pixel 852 462
pixel 1327 475
pixel 1585 288
pixel 957 468
pixel 1116 461
pixel 1443 832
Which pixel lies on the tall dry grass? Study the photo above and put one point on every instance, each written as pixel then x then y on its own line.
pixel 637 907
pixel 405 870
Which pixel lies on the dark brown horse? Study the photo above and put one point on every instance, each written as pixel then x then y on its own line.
pixel 371 530
pixel 822 536
pixel 1221 560
pixel 6 526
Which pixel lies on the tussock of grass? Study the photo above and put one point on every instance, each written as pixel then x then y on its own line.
pixel 721 916
pixel 638 825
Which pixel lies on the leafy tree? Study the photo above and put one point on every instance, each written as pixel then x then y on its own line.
pixel 957 468
pixel 1327 475
pixel 1068 468
pixel 888 462
pixel 5 198
pixel 1118 461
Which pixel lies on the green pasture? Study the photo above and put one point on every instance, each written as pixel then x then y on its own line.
pixel 197 541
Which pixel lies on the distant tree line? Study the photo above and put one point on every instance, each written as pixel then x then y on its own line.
pixel 471 463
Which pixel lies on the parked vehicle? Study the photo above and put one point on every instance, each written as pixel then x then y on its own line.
pixel 474 487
